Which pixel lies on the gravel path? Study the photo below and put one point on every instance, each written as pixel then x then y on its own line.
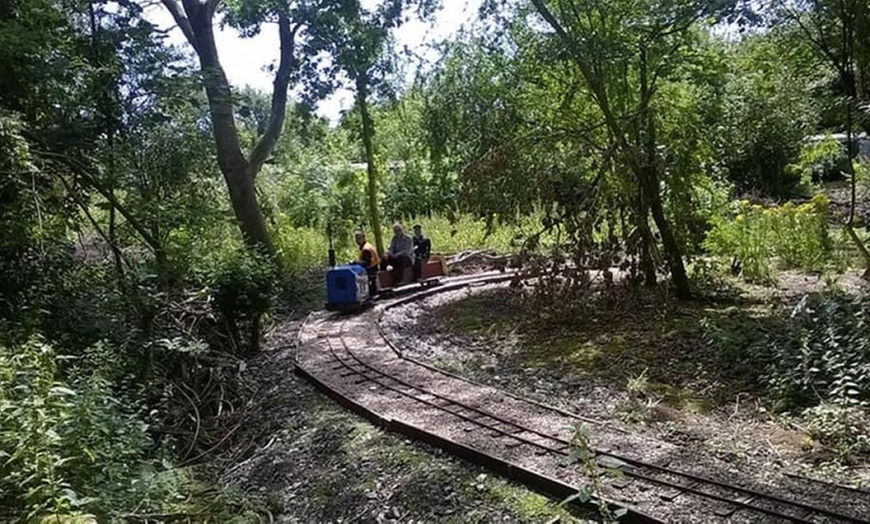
pixel 316 462
pixel 599 401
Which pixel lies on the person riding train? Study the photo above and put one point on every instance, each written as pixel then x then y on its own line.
pixel 422 250
pixel 368 258
pixel 399 255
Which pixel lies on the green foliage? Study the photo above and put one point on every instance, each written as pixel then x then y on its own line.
pixel 595 469
pixel 818 354
pixel 823 354
pixel 767 111
pixel 243 285
pixel 846 429
pixel 800 234
pixel 797 236
pixel 301 248
pixel 468 232
pixel 66 445
pixel 819 161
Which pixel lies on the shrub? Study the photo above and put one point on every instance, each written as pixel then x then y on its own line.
pixel 800 233
pixel 797 236
pixel 819 161
pixel 745 238
pixel 846 429
pixel 66 446
pixel 466 232
pixel 301 248
pixel 243 288
pixel 823 354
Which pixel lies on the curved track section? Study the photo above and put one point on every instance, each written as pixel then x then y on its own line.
pixel 352 360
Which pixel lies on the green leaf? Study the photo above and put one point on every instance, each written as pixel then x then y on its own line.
pixel 583 496
pixel 62 391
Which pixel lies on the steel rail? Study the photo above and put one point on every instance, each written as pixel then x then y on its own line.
pixel 535 480
pixel 636 515
pixel 470 281
pixel 564 445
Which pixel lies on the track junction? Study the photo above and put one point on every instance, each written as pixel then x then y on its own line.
pixel 353 360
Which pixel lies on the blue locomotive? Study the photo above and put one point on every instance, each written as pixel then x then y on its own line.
pixel 347 288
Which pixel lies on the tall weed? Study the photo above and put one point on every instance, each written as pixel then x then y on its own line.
pixel 67 445
pixel 756 236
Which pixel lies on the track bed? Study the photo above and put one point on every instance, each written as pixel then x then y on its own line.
pixel 349 357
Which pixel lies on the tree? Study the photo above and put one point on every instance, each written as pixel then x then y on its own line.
pixel 358 40
pixel 839 31
pixel 623 51
pixel 768 108
pixel 195 18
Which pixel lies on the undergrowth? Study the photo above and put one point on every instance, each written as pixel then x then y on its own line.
pixel 755 236
pixel 302 248
pixel 815 363
pixel 68 443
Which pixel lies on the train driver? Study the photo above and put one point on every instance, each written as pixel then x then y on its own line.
pixel 368 258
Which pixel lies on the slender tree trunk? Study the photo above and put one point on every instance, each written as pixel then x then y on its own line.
pixel 195 19
pixel 232 162
pixel 673 253
pixel 849 225
pixel 368 132
pixel 649 176
pixel 647 264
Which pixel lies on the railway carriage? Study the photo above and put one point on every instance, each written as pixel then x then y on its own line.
pixel 347 285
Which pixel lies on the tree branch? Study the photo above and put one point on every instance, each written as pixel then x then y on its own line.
pixel 83 172
pixel 211 6
pixel 181 19
pixel 287 63
pixel 593 80
pixel 84 207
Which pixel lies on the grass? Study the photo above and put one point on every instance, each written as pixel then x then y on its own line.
pixel 328 465
pixel 302 248
pixel 529 506
pixel 658 350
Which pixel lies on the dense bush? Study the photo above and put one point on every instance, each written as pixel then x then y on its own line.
pixel 796 236
pixel 820 161
pixel 822 355
pixel 846 429
pixel 67 443
pixel 243 286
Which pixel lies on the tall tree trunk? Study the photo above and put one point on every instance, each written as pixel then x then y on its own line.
pixel 195 19
pixel 647 242
pixel 850 150
pixel 233 164
pixel 368 132
pixel 673 253
pixel 648 173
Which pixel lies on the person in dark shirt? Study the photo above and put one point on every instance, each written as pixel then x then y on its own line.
pixel 422 250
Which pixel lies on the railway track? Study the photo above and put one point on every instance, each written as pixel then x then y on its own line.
pixel 357 364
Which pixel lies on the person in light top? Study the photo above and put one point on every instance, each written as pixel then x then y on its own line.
pixel 399 255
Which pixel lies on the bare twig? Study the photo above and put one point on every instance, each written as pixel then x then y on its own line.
pixel 198 423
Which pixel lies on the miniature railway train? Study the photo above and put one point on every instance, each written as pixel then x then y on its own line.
pixel 347 285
